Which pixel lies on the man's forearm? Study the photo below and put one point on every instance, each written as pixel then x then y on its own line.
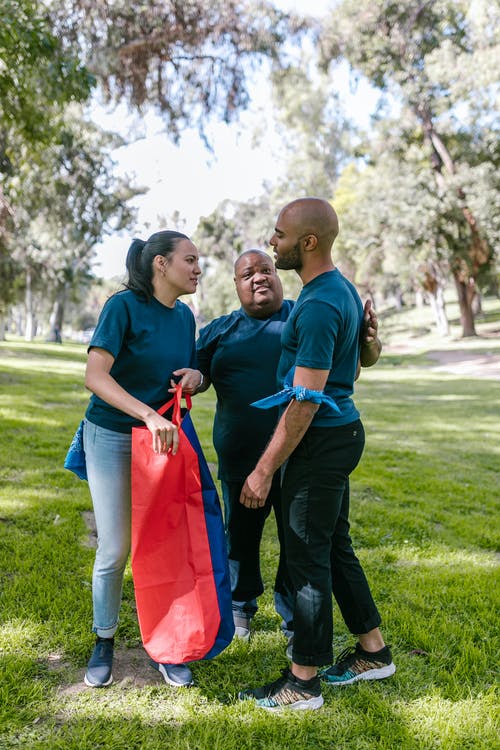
pixel 370 352
pixel 289 431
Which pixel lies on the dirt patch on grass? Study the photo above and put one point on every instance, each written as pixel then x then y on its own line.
pixel 131 669
pixel 467 363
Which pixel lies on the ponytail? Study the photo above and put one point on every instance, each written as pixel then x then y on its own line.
pixel 140 258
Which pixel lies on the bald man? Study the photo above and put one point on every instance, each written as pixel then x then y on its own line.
pixel 318 442
pixel 238 353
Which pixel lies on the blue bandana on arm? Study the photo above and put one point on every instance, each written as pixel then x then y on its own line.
pixel 299 393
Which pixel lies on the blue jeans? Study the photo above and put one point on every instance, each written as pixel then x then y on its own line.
pixel 107 455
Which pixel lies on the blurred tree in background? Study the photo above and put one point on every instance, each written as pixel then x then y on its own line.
pixel 439 60
pixel 417 193
pixel 187 60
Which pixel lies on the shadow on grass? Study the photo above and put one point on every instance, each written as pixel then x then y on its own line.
pixel 72 352
pixel 209 716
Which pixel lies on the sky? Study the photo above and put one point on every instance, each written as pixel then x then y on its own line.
pixel 190 180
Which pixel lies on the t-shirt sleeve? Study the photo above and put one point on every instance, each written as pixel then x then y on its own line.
pixel 317 326
pixel 205 348
pixel 112 326
pixel 193 360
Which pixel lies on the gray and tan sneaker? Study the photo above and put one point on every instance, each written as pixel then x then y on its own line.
pixel 288 691
pixel 355 664
pixel 241 625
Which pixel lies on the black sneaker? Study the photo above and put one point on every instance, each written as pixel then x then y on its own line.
pixel 98 672
pixel 355 664
pixel 286 692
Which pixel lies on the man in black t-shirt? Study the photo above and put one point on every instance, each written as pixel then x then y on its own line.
pixel 238 353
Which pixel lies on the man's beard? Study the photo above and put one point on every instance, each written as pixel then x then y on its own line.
pixel 291 261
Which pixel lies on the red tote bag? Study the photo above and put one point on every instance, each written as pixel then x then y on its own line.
pixel 176 594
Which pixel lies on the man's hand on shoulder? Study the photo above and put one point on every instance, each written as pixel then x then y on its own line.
pixel 371 345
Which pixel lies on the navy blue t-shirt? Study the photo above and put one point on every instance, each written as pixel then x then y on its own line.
pixel 323 332
pixel 240 354
pixel 148 341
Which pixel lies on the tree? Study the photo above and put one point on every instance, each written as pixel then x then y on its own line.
pixel 38 77
pixel 67 199
pixel 315 136
pixel 188 59
pixel 389 238
pixel 417 52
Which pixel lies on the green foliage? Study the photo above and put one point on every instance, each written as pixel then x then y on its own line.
pixel 314 135
pixel 38 76
pixel 423 523
pixel 67 199
pixel 437 160
pixel 188 60
pixel 389 42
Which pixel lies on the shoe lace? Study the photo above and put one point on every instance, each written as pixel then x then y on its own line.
pixel 285 691
pixel 346 657
pixel 277 684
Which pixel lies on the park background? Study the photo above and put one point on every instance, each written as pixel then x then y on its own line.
pixel 108 112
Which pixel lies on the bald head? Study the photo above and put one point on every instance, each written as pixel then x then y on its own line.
pixel 313 216
pixel 303 237
pixel 244 257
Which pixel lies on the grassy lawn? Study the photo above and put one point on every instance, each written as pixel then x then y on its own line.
pixel 424 523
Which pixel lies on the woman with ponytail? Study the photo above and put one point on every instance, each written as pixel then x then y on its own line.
pixel 144 336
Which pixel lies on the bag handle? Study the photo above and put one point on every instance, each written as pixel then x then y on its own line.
pixel 175 401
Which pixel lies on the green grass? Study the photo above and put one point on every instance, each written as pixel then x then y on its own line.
pixel 424 523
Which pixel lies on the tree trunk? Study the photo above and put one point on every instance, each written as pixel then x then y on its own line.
pixel 432 281
pixel 465 293
pixel 57 316
pixel 3 327
pixel 437 304
pixel 477 303
pixel 29 328
pixel 478 251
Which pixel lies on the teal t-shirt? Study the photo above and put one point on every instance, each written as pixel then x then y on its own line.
pixel 148 341
pixel 323 332
pixel 240 354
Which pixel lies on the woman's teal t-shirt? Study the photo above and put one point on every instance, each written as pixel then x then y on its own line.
pixel 148 341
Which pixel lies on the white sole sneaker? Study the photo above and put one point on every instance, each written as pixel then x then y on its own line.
pixel 306 705
pixel 99 684
pixel 163 670
pixel 371 674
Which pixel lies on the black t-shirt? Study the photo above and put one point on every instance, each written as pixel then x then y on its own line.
pixel 240 354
